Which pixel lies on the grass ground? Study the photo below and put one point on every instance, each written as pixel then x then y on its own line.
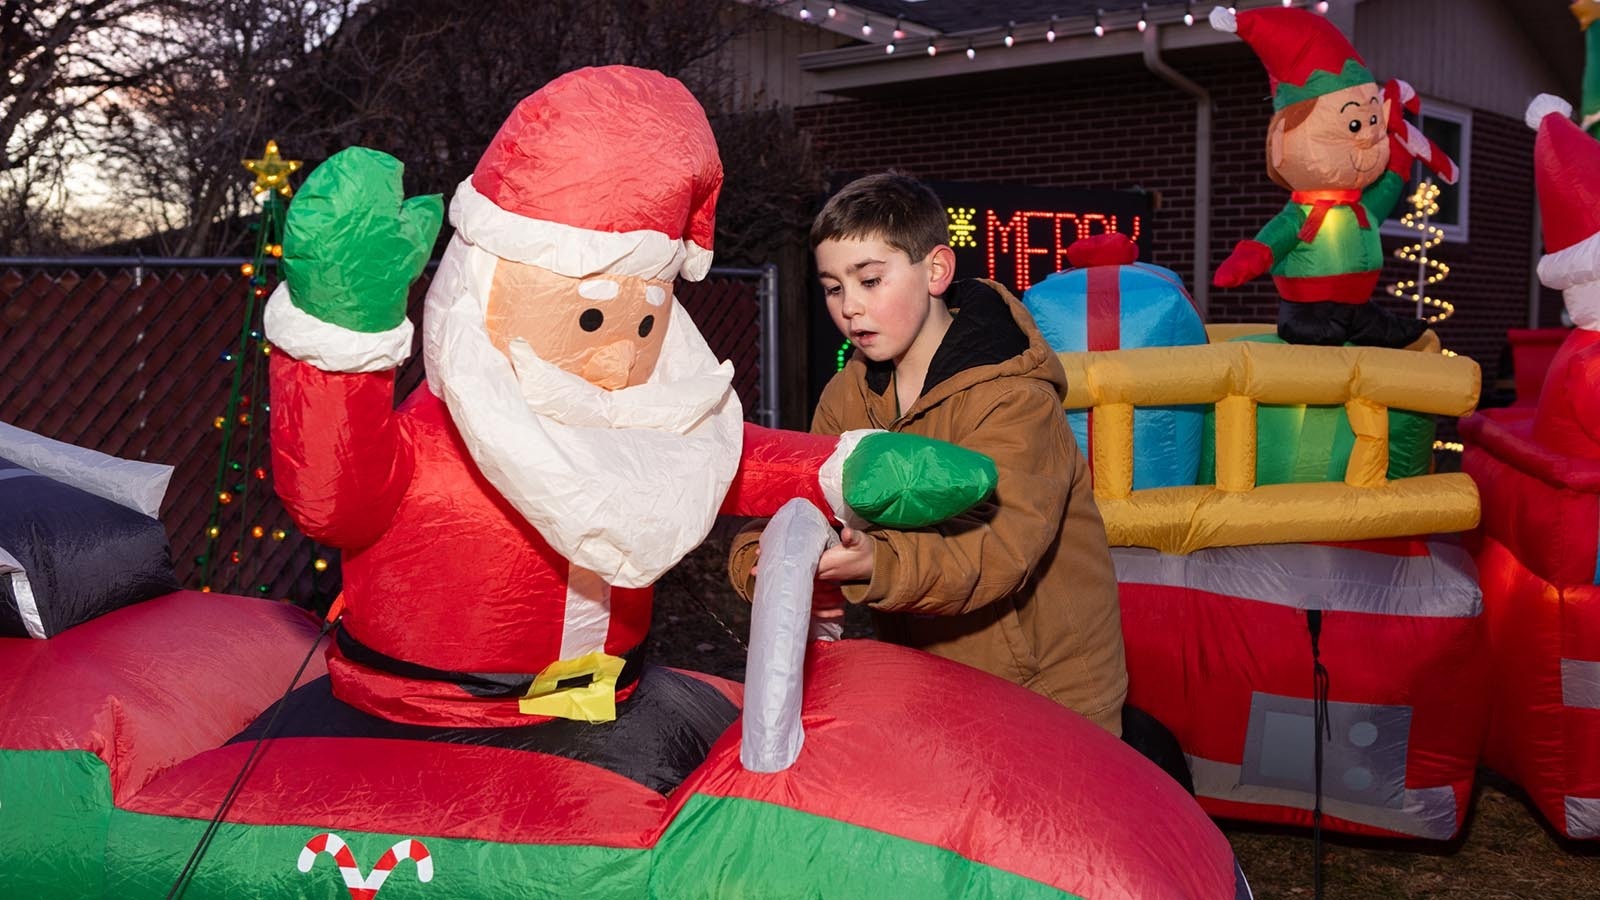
pixel 1504 852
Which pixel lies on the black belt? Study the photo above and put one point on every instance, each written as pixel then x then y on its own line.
pixel 478 684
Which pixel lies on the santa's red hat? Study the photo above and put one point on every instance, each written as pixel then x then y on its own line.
pixel 609 170
pixel 1566 164
pixel 1305 55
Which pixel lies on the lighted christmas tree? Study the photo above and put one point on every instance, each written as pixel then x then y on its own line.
pixel 1430 271
pixel 234 526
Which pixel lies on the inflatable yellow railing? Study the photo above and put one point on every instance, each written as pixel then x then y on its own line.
pixel 1238 376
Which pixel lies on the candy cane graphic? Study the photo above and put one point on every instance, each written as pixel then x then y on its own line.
pixel 366 887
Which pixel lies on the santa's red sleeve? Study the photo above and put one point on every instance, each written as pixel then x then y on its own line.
pixel 338 461
pixel 777 466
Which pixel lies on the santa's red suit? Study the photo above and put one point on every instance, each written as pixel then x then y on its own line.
pixel 1567 418
pixel 440 571
pixel 501 529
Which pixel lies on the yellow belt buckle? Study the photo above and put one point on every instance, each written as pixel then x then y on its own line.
pixel 592 702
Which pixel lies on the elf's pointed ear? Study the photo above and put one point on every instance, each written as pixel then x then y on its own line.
pixel 941 269
pixel 1275 143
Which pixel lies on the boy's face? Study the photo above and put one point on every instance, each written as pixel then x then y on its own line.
pixel 1342 145
pixel 879 298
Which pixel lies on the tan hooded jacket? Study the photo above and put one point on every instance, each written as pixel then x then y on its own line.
pixel 1022 586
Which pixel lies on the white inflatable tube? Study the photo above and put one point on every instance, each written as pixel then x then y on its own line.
pixel 780 628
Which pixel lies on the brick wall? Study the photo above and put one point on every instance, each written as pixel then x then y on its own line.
pixel 1114 125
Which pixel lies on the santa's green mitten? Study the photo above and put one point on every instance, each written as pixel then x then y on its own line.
pixel 903 480
pixel 352 244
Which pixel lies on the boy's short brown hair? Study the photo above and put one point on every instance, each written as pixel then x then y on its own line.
pixel 896 208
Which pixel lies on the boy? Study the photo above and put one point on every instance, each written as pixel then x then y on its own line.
pixel 1022 586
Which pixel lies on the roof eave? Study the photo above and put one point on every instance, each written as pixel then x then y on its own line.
pixel 855 68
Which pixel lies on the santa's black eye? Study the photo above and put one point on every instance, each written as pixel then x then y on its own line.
pixel 645 324
pixel 1373 121
pixel 591 319
pixel 1355 125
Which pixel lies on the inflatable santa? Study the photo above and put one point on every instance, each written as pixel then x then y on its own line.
pixel 1567 177
pixel 575 437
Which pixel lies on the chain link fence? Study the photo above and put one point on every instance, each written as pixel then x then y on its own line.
pixel 137 358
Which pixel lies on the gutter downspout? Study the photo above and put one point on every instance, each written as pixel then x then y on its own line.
pixel 1201 283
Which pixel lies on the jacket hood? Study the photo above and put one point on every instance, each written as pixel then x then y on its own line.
pixel 991 336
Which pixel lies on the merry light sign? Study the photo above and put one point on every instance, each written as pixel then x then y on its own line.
pixel 1018 235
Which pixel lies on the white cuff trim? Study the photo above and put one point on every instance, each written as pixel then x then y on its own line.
pixel 830 477
pixel 572 251
pixel 330 347
pixel 1572 265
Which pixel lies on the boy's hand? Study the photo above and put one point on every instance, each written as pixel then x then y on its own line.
pixel 901 480
pixel 849 560
pixel 352 245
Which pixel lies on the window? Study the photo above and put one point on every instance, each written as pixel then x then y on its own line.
pixel 1450 127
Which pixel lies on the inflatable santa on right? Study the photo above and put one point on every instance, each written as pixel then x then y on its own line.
pixel 1567 177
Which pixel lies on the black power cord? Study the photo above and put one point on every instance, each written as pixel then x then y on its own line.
pixel 200 848
pixel 1322 731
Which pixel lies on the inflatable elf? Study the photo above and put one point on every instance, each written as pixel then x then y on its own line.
pixel 1341 146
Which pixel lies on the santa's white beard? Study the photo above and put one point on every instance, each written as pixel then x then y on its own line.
pixel 622 483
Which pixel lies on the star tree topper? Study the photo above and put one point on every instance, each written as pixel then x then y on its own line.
pixel 272 171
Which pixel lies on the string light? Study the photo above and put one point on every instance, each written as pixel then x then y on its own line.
pixel 971 53
pixel 1424 205
pixel 1099 29
pixel 932 50
pixel 1188 13
pixel 247 270
pixel 833 11
pixel 805 13
pixel 1144 12
pixel 321 565
pixel 1287 3
pixel 866 27
pixel 258 532
pixel 889 47
pixel 1011 34
pixel 1322 6
pixel 899 33
pixel 1050 33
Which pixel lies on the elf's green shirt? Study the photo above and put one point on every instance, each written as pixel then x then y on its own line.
pixel 1343 256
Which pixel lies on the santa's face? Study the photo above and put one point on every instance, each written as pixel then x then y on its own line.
pixel 607 329
pixel 1341 145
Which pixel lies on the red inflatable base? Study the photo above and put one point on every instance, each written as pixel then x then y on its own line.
pixel 1537 551
pixel 916 774
pixel 1219 650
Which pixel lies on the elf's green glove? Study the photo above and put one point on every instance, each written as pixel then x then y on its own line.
pixel 351 247
pixel 903 480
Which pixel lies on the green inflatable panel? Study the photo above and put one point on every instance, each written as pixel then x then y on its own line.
pixel 1298 444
